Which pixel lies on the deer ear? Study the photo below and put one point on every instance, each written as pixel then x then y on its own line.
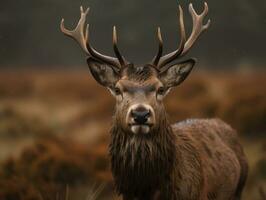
pixel 176 74
pixel 103 73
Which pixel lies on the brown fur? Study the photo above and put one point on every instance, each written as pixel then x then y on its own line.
pixel 194 159
pixel 190 160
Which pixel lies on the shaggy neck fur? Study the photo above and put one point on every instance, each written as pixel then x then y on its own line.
pixel 142 163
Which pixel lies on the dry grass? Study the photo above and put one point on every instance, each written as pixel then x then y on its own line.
pixel 67 116
pixel 13 124
pixel 50 165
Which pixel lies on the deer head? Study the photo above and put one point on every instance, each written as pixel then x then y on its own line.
pixel 139 90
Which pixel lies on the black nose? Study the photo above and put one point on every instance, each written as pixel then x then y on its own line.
pixel 140 116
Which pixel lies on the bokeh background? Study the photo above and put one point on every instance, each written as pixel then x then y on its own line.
pixel 54 118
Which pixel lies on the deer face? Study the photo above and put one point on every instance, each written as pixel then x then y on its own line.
pixel 139 90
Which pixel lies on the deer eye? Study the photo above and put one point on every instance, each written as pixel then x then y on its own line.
pixel 161 91
pixel 117 91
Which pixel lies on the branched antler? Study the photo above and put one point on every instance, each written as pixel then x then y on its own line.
pixel 185 45
pixel 82 37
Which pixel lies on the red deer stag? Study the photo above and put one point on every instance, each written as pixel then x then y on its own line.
pixel 151 159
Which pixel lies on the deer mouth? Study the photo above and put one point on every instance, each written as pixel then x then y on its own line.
pixel 140 128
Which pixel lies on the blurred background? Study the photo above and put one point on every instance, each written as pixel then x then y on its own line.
pixel 54 118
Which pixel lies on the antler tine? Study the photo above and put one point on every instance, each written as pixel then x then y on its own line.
pixel 78 33
pixel 106 59
pixel 156 59
pixel 116 50
pixel 175 54
pixel 198 26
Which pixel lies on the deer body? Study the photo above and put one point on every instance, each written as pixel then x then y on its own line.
pixel 194 159
pixel 151 159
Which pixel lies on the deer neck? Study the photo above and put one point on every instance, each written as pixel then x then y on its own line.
pixel 142 161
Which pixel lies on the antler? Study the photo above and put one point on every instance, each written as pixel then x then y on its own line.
pixel 83 39
pixel 185 45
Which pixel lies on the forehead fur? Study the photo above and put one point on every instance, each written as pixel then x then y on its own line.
pixel 139 73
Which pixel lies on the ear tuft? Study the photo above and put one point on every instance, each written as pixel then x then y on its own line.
pixel 177 73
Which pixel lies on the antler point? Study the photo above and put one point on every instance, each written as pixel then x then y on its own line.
pixel 191 9
pixel 180 9
pixel 206 8
pixel 114 34
pixel 62 26
pixel 87 10
pixel 159 34
pixel 207 25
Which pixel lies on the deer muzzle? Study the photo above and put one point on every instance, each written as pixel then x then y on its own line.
pixel 140 118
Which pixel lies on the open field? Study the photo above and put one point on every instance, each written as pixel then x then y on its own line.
pixel 54 129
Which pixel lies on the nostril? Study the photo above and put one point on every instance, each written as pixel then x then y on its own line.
pixel 140 117
pixel 147 113
pixel 140 120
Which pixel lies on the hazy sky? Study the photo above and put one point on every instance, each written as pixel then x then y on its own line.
pixel 30 35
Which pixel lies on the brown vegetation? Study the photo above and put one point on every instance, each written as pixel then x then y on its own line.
pixel 14 124
pixel 49 166
pixel 67 116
